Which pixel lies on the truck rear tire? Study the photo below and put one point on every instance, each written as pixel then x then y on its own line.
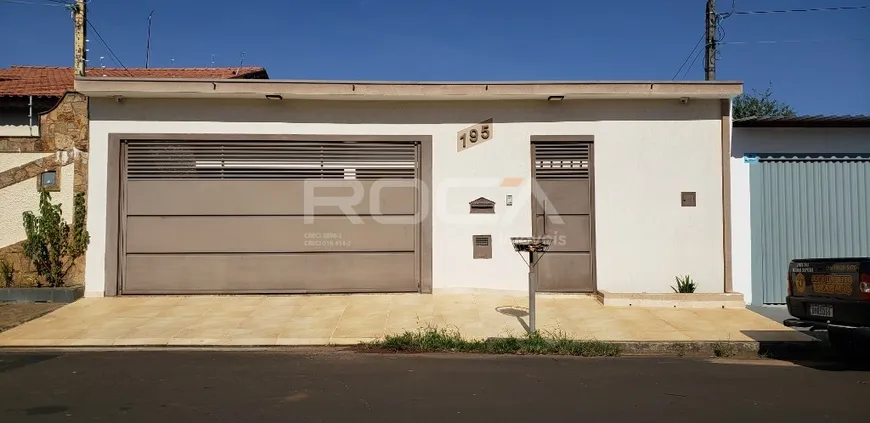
pixel 848 344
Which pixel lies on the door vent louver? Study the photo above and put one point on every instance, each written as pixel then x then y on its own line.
pixel 561 160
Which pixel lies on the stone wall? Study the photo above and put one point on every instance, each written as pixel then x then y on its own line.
pixel 80 182
pixel 14 255
pixel 64 138
pixel 25 274
pixel 34 168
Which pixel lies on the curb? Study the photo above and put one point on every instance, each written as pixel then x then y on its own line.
pixel 782 350
pixel 176 348
pixel 735 349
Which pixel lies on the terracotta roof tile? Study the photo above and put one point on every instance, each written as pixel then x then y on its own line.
pixel 51 81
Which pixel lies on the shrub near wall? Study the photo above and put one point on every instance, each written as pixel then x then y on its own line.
pixel 52 245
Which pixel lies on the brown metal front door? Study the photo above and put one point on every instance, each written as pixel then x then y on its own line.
pixel 563 210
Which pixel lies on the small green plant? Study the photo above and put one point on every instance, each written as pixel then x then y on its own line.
pixel 52 245
pixel 685 285
pixel 432 339
pixel 7 271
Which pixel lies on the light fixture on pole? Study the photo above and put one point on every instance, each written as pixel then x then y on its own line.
pixel 531 245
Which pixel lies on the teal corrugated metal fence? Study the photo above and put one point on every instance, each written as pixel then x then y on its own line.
pixel 805 209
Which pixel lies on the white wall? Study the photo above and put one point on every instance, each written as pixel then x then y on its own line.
pixel 10 160
pixel 19 130
pixel 23 196
pixel 774 140
pixel 646 153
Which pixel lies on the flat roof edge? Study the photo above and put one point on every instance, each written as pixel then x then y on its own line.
pixel 223 88
pixel 376 82
pixel 806 121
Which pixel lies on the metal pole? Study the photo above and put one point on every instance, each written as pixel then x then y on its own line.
pixel 148 42
pixel 30 115
pixel 532 288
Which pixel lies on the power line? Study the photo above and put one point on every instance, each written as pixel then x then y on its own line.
pixel 812 9
pixel 728 15
pixel 796 41
pixel 55 4
pixel 700 40
pixel 686 73
pixel 720 17
pixel 114 56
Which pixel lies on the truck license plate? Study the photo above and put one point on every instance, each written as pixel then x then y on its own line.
pixel 822 310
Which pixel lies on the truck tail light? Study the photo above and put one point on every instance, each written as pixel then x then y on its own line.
pixel 864 286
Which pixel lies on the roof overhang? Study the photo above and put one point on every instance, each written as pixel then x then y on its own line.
pixel 367 90
pixel 815 121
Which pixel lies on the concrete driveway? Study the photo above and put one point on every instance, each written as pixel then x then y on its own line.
pixel 349 319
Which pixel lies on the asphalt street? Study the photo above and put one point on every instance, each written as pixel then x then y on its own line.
pixel 322 385
pixel 779 313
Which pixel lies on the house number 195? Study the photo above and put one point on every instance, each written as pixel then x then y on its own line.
pixel 474 135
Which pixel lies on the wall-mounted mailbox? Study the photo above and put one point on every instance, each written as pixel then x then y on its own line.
pixel 687 199
pixel 482 205
pixel 482 246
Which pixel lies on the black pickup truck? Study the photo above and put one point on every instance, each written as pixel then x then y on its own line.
pixel 832 294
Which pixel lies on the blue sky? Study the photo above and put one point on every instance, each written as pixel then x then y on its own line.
pixel 826 73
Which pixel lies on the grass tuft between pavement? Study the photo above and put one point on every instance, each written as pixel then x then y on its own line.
pixel 432 339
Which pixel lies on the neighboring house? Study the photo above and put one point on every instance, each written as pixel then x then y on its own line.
pixel 28 91
pixel 305 186
pixel 44 140
pixel 800 188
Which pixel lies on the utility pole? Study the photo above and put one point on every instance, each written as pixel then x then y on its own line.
pixel 710 55
pixel 81 52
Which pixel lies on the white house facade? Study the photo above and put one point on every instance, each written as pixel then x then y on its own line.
pixel 202 186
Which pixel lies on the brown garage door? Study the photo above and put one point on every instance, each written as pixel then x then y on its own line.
pixel 256 217
pixel 563 211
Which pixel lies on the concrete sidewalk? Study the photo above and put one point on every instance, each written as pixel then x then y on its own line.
pixel 349 319
pixel 15 314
